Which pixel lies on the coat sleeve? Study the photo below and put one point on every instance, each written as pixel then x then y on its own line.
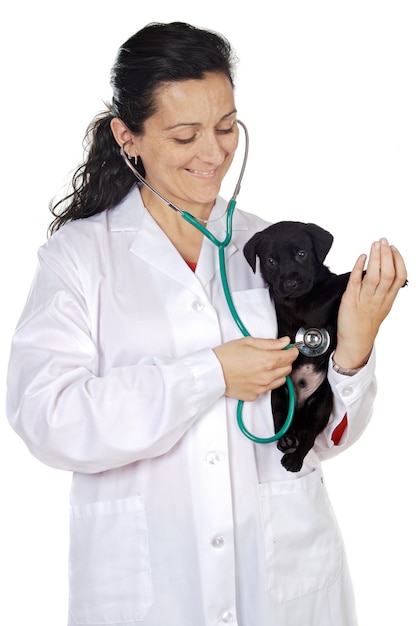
pixel 353 404
pixel 72 418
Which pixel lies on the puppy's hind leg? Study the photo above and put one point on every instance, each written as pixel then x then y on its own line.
pixel 280 407
pixel 292 461
pixel 311 418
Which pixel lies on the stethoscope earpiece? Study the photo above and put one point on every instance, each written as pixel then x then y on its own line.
pixel 313 341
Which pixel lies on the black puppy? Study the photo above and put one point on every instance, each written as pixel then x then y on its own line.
pixel 306 295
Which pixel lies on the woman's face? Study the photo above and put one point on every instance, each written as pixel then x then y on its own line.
pixel 189 143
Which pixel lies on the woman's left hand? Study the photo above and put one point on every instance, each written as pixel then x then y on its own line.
pixel 367 301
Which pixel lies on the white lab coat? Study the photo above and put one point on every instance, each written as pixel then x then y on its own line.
pixel 176 517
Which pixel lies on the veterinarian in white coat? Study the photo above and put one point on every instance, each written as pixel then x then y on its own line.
pixel 126 367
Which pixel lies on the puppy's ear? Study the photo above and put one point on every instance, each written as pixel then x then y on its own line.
pixel 322 240
pixel 250 250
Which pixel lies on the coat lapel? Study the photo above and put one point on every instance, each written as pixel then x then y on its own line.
pixel 152 245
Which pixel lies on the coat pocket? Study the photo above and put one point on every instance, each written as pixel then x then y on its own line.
pixel 109 564
pixel 256 311
pixel 303 546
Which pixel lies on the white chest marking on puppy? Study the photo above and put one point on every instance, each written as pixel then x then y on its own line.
pixel 306 380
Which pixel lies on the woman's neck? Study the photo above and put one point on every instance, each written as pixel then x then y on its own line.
pixel 186 238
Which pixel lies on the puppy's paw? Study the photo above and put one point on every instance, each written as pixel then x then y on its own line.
pixel 287 443
pixel 292 462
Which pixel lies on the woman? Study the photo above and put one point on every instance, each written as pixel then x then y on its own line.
pixel 126 368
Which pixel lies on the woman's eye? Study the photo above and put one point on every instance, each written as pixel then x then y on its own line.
pixel 225 131
pixel 219 131
pixel 185 141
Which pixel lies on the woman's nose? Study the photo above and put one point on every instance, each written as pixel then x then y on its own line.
pixel 211 150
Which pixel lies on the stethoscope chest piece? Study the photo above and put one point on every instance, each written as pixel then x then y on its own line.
pixel 312 341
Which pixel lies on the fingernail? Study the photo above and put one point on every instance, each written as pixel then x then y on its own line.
pixel 384 241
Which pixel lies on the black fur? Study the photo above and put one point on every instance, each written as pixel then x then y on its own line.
pixel 306 295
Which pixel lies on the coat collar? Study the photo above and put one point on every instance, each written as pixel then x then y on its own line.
pixel 152 245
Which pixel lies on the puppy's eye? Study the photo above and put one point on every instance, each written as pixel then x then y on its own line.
pixel 271 262
pixel 301 255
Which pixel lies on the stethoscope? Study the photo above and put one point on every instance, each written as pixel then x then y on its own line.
pixel 308 340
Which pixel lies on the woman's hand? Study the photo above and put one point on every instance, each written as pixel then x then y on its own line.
pixel 253 366
pixel 366 303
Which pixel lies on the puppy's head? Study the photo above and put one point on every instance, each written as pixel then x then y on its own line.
pixel 291 256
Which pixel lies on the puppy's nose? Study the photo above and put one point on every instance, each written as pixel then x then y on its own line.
pixel 291 283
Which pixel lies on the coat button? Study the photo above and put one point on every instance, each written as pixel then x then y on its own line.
pixel 347 391
pixel 217 541
pixel 198 306
pixel 227 617
pixel 213 458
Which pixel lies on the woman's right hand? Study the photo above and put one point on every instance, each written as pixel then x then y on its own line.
pixel 253 366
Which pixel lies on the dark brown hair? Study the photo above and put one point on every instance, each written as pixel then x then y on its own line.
pixel 157 54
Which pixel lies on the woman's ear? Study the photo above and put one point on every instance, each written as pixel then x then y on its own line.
pixel 120 131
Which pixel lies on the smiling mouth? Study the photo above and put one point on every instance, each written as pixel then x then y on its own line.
pixel 203 173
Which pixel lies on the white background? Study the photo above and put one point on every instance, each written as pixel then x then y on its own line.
pixel 327 89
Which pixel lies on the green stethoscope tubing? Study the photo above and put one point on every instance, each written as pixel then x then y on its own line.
pixel 222 245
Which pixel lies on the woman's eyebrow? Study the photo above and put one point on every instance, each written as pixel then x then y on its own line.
pixel 224 117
